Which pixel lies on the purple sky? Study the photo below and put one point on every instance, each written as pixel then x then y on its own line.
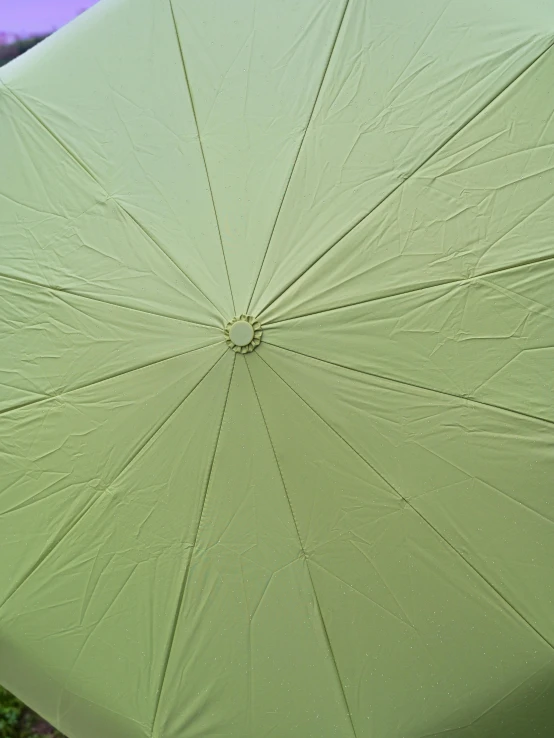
pixel 29 16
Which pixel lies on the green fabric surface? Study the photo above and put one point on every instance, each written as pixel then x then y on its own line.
pixel 343 529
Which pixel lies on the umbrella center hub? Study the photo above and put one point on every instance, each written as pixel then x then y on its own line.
pixel 243 334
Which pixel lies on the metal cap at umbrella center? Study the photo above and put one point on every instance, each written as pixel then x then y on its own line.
pixel 243 334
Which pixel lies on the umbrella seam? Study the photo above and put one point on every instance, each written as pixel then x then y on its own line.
pixel 504 697
pixel 163 251
pixel 411 506
pixel 277 462
pixel 49 398
pixel 409 176
pixel 410 291
pixel 306 559
pixel 51 548
pixel 56 138
pixel 401 382
pixel 339 27
pixel 73 220
pixel 373 602
pixel 83 296
pixel 114 199
pixel 100 494
pixel 182 592
pixel 483 577
pixel 488 709
pixel 201 145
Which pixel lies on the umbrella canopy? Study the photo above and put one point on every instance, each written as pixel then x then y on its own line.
pixel 276 417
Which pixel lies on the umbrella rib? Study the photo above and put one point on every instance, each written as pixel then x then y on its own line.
pixel 100 494
pixel 184 583
pixel 416 386
pixel 340 24
pixel 412 507
pixel 411 290
pixel 56 138
pixel 51 548
pixel 164 252
pixel 74 293
pixel 90 173
pixel 512 607
pixel 201 145
pixel 403 181
pixel 306 558
pixel 147 365
pixel 161 425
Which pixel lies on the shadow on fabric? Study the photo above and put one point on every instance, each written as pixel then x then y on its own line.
pixel 525 712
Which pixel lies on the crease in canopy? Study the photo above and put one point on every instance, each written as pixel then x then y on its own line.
pixel 276 320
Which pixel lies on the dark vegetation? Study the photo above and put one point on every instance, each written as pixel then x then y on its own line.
pixel 17 721
pixel 16 48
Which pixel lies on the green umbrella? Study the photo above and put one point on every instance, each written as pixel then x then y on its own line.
pixel 276 370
